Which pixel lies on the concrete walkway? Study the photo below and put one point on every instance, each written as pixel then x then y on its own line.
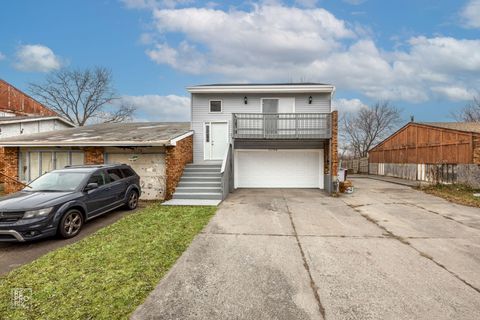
pixel 384 252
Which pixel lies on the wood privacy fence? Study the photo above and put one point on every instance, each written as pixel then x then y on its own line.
pixel 356 165
pixel 417 143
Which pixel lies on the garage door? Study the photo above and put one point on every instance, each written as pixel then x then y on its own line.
pixel 151 169
pixel 278 169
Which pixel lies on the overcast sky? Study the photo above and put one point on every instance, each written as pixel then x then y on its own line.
pixel 423 55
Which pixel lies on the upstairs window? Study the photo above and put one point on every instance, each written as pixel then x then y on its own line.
pixel 215 106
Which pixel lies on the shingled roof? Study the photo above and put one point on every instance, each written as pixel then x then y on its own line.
pixel 107 134
pixel 459 126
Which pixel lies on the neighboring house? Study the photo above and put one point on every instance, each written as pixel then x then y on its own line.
pixel 430 151
pixel 266 135
pixel 158 152
pixel 14 102
pixel 21 114
pixel 12 126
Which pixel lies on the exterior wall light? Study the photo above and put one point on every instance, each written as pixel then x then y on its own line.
pixel 310 99
pixel 245 100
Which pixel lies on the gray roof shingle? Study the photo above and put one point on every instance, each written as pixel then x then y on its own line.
pixel 118 134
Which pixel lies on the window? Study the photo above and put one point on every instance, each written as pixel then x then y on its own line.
pixel 270 105
pixel 114 174
pixel 215 106
pixel 207 133
pixel 98 178
pixel 127 172
pixel 34 163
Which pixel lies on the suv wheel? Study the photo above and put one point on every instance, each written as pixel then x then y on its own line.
pixel 132 200
pixel 70 224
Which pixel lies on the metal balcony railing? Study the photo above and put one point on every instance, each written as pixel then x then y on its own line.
pixel 282 125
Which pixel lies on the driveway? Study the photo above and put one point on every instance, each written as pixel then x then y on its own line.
pixel 384 252
pixel 15 254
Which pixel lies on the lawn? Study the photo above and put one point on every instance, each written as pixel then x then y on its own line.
pixel 456 193
pixel 108 274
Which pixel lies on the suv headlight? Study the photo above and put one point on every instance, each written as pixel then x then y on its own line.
pixel 37 213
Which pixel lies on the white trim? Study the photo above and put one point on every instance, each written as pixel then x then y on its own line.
pixel 173 142
pixel 210 106
pixel 261 88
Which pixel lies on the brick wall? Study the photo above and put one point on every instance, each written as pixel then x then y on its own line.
pixel 175 160
pixel 94 155
pixel 334 144
pixel 11 170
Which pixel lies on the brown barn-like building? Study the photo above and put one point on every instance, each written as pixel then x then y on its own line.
pixel 427 151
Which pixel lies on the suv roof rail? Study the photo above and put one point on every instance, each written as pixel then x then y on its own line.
pixel 105 165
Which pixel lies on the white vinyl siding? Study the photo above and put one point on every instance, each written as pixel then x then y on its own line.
pixel 234 103
pixel 22 128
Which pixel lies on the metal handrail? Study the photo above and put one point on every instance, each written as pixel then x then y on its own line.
pixel 282 125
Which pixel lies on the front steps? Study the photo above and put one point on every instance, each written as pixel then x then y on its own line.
pixel 200 184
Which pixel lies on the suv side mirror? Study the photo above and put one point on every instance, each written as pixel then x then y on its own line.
pixel 91 186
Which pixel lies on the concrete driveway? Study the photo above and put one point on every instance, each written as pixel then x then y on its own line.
pixel 384 252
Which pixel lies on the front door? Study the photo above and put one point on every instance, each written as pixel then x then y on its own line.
pixel 216 140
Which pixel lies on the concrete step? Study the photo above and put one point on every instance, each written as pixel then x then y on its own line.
pixel 195 184
pixel 204 195
pixel 198 189
pixel 200 179
pixel 202 170
pixel 203 166
pixel 191 202
pixel 201 174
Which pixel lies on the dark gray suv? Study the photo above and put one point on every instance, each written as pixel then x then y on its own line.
pixel 60 201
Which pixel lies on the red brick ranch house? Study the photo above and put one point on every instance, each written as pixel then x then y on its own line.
pixel 157 151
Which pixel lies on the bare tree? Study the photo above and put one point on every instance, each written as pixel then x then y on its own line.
pixel 369 126
pixel 82 96
pixel 470 112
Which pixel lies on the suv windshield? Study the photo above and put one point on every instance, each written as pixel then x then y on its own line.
pixel 57 181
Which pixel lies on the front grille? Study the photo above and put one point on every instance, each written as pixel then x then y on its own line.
pixel 11 216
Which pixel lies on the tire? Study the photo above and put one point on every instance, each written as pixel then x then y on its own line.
pixel 132 200
pixel 70 224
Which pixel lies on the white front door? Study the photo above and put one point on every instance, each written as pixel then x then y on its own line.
pixel 216 140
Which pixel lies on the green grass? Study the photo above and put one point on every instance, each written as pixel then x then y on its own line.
pixel 456 193
pixel 108 274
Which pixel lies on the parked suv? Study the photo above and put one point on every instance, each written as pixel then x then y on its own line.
pixel 60 201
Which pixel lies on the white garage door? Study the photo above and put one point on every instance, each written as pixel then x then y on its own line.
pixel 151 169
pixel 278 169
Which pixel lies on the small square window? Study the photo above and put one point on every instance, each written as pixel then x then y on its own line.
pixel 215 106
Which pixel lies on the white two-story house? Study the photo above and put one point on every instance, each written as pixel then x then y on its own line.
pixel 260 136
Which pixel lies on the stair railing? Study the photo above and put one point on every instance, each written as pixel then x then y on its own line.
pixel 226 171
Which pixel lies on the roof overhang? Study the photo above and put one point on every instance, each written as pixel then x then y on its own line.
pixel 86 143
pixel 263 89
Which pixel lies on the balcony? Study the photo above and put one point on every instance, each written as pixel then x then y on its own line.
pixel 282 126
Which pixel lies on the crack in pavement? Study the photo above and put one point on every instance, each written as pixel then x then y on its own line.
pixel 313 285
pixel 405 242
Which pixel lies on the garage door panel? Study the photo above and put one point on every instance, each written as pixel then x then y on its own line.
pixel 279 168
pixel 151 169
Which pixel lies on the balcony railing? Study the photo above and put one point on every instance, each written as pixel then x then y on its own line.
pixel 282 125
